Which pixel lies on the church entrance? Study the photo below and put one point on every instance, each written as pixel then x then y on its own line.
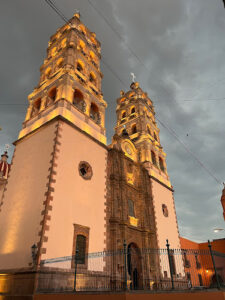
pixel 134 263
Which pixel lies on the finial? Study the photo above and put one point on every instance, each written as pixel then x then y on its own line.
pixel 77 13
pixel 7 146
pixel 133 77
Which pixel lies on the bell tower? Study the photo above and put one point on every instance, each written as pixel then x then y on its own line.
pixel 137 135
pixel 70 83
pixel 57 182
pixel 136 116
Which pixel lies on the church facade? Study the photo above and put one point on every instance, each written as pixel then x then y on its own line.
pixel 67 189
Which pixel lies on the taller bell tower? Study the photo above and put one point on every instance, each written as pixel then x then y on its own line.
pixel 70 83
pixel 57 182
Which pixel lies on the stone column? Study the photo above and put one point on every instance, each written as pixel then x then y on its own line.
pixel 29 110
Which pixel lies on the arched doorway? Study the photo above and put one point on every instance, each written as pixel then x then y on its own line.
pixel 134 263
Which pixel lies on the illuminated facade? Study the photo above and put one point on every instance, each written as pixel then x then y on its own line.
pixel 140 205
pixel 67 189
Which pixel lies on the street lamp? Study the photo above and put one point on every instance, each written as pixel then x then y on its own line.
pixel 34 250
pixel 218 229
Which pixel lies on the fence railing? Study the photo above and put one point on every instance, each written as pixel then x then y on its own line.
pixel 128 269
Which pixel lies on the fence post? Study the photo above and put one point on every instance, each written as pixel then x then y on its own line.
pixel 214 266
pixel 125 264
pixel 170 264
pixel 75 271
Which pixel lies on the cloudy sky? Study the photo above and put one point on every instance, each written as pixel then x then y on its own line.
pixel 176 49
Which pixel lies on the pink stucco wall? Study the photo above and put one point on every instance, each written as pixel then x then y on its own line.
pixel 166 227
pixel 23 201
pixel 75 200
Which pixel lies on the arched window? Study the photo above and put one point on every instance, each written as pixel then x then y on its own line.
pixel 153 158
pixel 82 29
pixel 134 129
pixel 80 248
pixel 79 66
pixel 133 110
pixel 78 100
pixel 161 165
pixel 63 43
pixel 92 55
pixel 131 208
pixel 82 47
pixel 60 62
pixel 54 51
pixel 92 77
pixel 36 107
pixel 51 96
pixel 148 130
pixel 155 137
pixel 94 113
pixel 47 72
pixel 123 115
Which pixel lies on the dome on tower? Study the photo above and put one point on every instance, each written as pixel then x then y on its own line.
pixel 4 166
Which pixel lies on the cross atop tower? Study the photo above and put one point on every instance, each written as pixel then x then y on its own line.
pixel 133 77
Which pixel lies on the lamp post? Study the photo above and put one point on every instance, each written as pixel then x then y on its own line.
pixel 218 229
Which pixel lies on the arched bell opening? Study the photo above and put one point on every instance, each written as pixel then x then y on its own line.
pixel 51 96
pixel 94 113
pixel 78 100
pixel 36 107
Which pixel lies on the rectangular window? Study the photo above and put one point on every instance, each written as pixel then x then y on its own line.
pixel 131 208
pixel 80 249
pixel 80 246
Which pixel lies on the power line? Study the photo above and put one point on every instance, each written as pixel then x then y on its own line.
pixel 130 49
pixel 189 151
pixel 169 129
pixel 116 32
pixel 53 6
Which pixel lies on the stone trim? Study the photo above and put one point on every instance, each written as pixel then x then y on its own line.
pixel 57 118
pixel 49 194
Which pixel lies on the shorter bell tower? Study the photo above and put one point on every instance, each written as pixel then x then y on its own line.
pixel 136 116
pixel 137 136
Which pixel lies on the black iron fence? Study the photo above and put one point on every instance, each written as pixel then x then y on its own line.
pixel 135 269
pixel 127 269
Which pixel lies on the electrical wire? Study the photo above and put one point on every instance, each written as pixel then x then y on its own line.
pixel 189 151
pixel 169 129
pixel 53 6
